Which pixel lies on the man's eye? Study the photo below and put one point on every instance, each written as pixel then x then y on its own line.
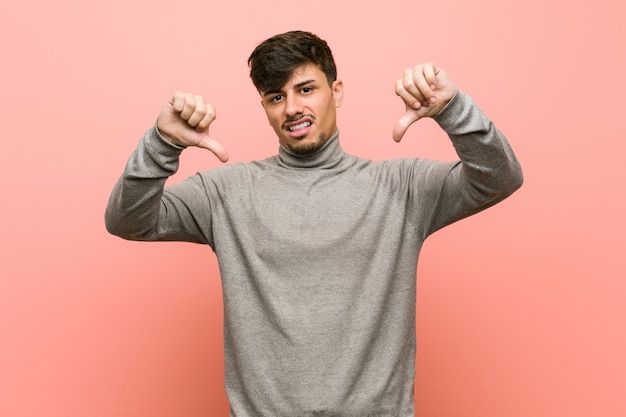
pixel 276 98
pixel 307 90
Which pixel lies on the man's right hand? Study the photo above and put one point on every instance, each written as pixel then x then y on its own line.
pixel 185 121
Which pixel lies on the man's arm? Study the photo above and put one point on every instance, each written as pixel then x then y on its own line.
pixel 488 170
pixel 139 208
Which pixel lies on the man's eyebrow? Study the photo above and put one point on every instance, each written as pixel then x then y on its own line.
pixel 303 83
pixel 268 92
pixel 277 91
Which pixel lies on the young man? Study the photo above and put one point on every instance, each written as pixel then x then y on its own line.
pixel 317 249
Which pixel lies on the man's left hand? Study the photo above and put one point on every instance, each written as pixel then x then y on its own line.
pixel 425 90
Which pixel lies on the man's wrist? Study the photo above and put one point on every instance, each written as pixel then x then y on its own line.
pixel 447 105
pixel 165 138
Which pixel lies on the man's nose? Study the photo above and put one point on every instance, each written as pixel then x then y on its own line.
pixel 294 105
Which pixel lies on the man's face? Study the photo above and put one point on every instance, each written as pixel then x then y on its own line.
pixel 303 113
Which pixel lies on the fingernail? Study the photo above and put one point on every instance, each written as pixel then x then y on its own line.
pixel 417 104
pixel 433 99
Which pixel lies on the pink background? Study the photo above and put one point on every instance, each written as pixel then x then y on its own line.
pixel 521 309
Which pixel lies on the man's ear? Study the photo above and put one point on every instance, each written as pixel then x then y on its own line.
pixel 338 92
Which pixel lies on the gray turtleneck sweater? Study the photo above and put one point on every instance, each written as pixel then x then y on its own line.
pixel 318 259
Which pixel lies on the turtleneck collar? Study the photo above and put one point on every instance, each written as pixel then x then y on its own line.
pixel 327 157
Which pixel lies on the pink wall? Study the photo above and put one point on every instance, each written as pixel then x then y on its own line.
pixel 521 309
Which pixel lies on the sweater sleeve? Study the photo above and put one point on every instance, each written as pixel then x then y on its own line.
pixel 142 208
pixel 486 174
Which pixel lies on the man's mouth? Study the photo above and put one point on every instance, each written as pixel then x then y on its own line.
pixel 300 127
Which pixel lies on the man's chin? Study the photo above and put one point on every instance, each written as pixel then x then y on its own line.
pixel 307 147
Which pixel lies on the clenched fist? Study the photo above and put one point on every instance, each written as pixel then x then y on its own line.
pixel 185 121
pixel 425 90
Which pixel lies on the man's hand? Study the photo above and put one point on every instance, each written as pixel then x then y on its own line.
pixel 185 120
pixel 425 90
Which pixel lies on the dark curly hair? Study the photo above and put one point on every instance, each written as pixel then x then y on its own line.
pixel 273 61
